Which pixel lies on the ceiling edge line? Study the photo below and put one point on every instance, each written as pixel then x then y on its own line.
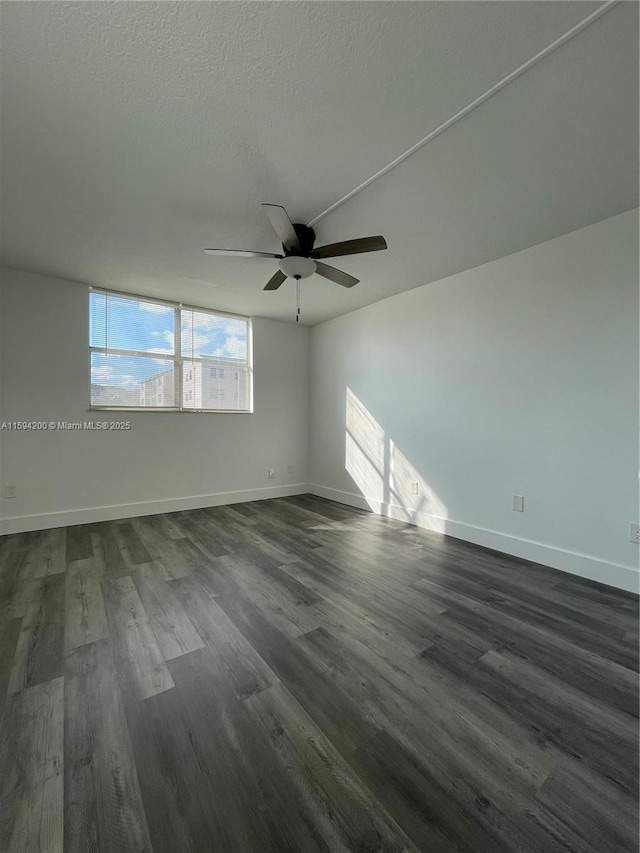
pixel 554 45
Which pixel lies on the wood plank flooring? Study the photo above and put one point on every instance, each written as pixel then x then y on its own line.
pixel 294 676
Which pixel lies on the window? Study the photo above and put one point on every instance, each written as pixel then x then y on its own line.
pixel 144 353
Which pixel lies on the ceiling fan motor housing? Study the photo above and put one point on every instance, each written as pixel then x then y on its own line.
pixel 306 239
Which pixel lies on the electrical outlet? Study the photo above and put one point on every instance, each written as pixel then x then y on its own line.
pixel 415 487
pixel 517 503
pixel 634 533
pixel 11 491
pixel 272 473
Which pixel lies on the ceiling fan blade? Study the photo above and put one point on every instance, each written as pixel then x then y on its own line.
pixel 338 276
pixel 282 225
pixel 240 254
pixel 350 247
pixel 275 281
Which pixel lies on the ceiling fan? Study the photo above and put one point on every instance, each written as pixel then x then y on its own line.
pixel 299 258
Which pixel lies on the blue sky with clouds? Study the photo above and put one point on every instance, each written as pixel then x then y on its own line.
pixel 120 323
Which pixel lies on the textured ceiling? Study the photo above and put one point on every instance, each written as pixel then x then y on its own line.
pixel 135 134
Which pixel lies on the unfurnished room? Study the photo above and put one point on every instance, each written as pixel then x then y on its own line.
pixel 319 426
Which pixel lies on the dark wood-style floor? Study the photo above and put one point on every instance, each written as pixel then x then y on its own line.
pixel 295 675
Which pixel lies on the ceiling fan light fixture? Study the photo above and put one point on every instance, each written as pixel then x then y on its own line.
pixel 294 266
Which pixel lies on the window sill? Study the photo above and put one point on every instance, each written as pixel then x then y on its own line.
pixel 171 411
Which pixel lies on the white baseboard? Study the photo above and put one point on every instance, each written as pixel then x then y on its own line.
pixel 347 498
pixel 611 574
pixel 66 518
pixel 583 565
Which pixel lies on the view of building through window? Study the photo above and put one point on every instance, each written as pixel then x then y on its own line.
pixel 147 354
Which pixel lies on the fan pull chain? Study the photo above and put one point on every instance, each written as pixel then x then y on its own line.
pixel 297 300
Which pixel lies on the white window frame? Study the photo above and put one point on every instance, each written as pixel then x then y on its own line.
pixel 178 359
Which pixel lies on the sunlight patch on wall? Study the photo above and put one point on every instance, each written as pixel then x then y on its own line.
pixel 387 480
pixel 364 449
pixel 412 495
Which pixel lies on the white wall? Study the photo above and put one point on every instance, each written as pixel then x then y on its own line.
pixel 520 376
pixel 180 460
